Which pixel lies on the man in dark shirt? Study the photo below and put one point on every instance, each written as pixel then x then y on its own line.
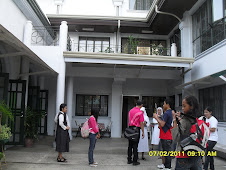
pixel 165 133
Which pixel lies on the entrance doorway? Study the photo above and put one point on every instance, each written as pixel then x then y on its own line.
pixel 128 103
pixel 16 102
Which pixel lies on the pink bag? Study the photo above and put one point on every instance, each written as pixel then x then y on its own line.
pixel 85 129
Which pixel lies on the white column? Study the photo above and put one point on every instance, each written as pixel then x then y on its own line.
pixel 63 35
pixel 116 112
pixel 173 50
pixel 70 86
pixel 27 33
pixel 186 48
pixel 62 66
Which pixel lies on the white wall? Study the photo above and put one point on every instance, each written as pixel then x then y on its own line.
pixel 51 55
pixel 12 18
pixel 90 7
pixel 212 61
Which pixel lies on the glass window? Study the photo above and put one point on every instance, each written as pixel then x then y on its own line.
pixel 85 103
pixel 208 26
pixel 217 9
pixel 93 44
pixel 140 4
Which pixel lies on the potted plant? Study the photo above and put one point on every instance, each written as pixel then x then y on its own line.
pixel 31 126
pixel 132 45
pixel 5 132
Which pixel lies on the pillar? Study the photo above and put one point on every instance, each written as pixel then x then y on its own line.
pixel 27 33
pixel 62 66
pixel 70 86
pixel 116 106
pixel 186 47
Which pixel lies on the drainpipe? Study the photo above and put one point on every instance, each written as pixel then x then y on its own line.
pixel 184 72
pixel 166 13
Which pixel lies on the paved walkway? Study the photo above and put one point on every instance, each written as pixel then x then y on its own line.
pixel 111 154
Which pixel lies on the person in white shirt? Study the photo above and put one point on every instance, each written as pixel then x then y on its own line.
pixel 143 142
pixel 62 135
pixel 212 139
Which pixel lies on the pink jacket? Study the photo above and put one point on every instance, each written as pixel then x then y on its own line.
pixel 93 125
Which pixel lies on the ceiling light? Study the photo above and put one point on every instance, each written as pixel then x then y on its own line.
pixel 222 77
pixel 88 29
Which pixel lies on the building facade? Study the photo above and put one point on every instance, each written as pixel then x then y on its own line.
pixel 108 54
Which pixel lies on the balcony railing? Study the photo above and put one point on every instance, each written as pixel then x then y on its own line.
pixel 45 36
pixel 215 34
pixel 126 49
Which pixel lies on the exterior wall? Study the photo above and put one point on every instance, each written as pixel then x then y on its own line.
pixel 103 86
pixel 214 58
pixel 101 7
pixel 15 18
pixel 51 55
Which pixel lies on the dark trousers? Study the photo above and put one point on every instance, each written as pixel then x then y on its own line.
pixel 92 139
pixel 133 150
pixel 209 159
pixel 166 146
pixel 192 163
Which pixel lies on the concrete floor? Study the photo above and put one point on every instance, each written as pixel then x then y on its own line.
pixel 109 153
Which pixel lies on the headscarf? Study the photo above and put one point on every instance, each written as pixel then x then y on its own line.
pixel 160 109
pixel 146 118
pixel 154 120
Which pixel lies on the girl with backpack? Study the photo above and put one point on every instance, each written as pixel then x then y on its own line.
pixel 183 123
pixel 93 135
pixel 62 135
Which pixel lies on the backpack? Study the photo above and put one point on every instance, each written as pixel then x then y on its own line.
pixel 197 141
pixel 85 129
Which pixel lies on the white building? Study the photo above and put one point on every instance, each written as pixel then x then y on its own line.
pixel 108 54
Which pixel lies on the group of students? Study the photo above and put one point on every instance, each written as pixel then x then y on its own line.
pixel 165 121
pixel 168 135
pixel 62 133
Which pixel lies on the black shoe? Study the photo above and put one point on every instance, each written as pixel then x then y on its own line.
pixel 136 163
pixel 129 162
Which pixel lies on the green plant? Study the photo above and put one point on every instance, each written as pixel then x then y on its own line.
pixel 1 155
pixel 132 45
pixel 31 123
pixel 5 133
pixel 108 50
pixel 6 113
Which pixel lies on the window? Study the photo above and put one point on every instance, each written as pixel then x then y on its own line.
pixel 91 44
pixel 215 97
pixel 217 9
pixel 208 25
pixel 140 4
pixel 149 104
pixel 84 104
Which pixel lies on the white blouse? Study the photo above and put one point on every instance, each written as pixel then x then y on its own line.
pixel 61 120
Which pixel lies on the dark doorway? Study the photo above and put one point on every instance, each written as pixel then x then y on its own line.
pixel 4 81
pixel 128 103
pixel 44 110
pixel 16 102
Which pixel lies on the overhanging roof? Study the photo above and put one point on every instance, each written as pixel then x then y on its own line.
pixel 20 49
pixel 158 23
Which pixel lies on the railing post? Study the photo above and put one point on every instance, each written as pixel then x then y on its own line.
pixel 27 33
pixel 173 50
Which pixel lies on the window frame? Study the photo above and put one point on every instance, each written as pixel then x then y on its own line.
pixel 94 39
pixel 93 95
